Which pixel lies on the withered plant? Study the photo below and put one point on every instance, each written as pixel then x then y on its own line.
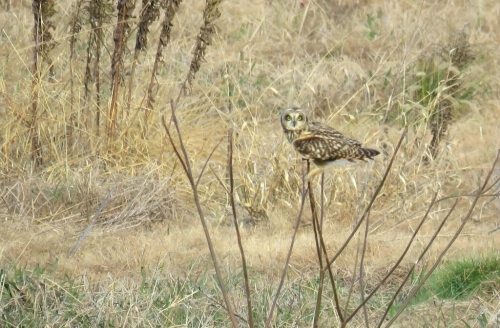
pixel 438 84
pixel 458 54
pixel 171 7
pixel 43 29
pixel 203 40
pixel 76 27
pixel 150 12
pixel 120 35
pixel 99 12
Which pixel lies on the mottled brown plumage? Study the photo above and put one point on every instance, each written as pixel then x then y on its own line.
pixel 319 142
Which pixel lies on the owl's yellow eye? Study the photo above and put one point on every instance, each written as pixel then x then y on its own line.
pixel 288 118
pixel 300 118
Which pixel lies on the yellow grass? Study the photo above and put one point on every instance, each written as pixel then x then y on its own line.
pixel 347 62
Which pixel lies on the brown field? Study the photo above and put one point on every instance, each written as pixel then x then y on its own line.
pixel 357 65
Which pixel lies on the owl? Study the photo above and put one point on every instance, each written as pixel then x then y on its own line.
pixel 320 143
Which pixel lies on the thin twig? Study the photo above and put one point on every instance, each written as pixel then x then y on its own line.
pixel 322 202
pixel 388 307
pixel 317 231
pixel 362 272
pixel 363 251
pixel 370 204
pixel 467 195
pixel 492 231
pixel 398 262
pixel 236 227
pixel 215 301
pixel 283 274
pixel 184 159
pixel 321 247
pixel 457 233
pixel 351 287
pixel 96 215
pixel 173 145
pixel 206 162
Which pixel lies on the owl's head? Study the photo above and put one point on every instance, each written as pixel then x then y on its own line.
pixel 293 119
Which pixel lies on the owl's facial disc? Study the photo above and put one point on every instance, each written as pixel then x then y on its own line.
pixel 293 119
pixel 296 120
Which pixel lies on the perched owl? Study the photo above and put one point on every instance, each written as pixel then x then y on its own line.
pixel 319 142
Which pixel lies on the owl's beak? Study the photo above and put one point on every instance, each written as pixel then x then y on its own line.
pixel 293 123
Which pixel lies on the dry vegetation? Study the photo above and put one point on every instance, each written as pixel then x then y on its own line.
pixel 81 107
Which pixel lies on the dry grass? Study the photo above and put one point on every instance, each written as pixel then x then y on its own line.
pixel 354 65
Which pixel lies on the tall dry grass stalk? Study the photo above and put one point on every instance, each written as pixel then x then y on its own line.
pixel 99 12
pixel 203 40
pixel 76 27
pixel 36 147
pixel 43 10
pixel 120 35
pixel 150 12
pixel 171 7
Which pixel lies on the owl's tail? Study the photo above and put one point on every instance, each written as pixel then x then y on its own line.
pixel 369 153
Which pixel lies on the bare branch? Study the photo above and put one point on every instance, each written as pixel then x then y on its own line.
pixel 283 274
pixel 236 227
pixel 206 162
pixel 398 262
pixel 189 174
pixel 377 191
pixel 418 261
pixel 450 243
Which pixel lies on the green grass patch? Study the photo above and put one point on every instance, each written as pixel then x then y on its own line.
pixel 460 279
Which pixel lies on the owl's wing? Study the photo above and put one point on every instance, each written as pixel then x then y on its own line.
pixel 323 142
pixel 326 132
